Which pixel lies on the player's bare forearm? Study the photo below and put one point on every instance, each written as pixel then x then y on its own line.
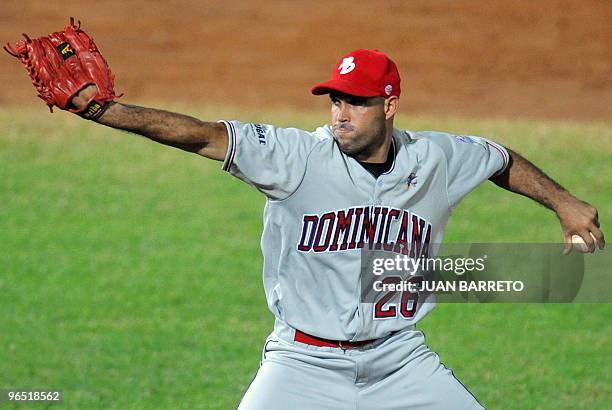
pixel 182 131
pixel 523 177
pixel 208 139
pixel 577 217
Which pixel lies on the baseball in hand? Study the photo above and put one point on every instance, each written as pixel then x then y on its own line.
pixel 581 246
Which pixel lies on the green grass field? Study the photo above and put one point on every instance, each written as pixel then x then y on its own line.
pixel 130 273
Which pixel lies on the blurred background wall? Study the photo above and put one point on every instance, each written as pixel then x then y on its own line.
pixel 540 59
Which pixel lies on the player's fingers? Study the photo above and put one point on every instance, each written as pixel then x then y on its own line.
pixel 82 98
pixel 567 238
pixel 599 237
pixel 596 218
pixel 588 240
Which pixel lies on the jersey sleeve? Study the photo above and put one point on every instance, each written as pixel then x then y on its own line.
pixel 471 160
pixel 271 159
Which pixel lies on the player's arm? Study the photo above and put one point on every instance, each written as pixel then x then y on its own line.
pixel 208 139
pixel 576 216
pixel 62 63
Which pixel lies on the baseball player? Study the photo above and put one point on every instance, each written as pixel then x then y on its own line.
pixel 332 192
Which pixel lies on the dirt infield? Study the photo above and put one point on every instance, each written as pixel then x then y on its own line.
pixel 549 58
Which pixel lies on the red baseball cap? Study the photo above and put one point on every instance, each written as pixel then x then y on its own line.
pixel 363 73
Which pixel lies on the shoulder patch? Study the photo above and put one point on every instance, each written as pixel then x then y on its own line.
pixel 466 139
pixel 260 131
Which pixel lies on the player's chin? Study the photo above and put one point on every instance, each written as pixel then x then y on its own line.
pixel 347 146
pixel 344 138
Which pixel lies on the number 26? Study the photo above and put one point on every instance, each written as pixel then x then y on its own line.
pixel 408 301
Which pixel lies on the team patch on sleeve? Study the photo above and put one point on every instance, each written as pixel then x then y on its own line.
pixel 466 139
pixel 260 131
pixel 490 145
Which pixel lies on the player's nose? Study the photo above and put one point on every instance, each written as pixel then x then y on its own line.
pixel 343 114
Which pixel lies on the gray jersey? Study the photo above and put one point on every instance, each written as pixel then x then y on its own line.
pixel 323 207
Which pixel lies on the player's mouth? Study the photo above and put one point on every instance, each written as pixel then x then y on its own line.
pixel 342 128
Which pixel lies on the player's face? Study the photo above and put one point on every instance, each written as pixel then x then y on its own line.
pixel 358 124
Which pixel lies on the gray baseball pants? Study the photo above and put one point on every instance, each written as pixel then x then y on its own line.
pixel 398 372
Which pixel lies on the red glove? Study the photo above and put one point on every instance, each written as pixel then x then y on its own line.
pixel 62 64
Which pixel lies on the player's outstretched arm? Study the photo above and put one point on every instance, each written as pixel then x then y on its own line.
pixel 69 72
pixel 577 217
pixel 208 139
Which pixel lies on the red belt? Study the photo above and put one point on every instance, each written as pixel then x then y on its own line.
pixel 317 341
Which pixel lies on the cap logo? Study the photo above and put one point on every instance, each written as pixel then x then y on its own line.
pixel 347 65
pixel 388 89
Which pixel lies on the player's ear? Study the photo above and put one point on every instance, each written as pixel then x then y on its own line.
pixel 391 106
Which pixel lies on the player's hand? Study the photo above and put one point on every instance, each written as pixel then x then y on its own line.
pixel 580 218
pixel 64 63
pixel 82 98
